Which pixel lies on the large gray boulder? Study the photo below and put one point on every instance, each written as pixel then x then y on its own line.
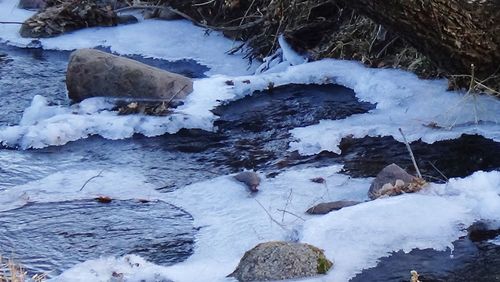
pixel 281 260
pixel 324 208
pixel 392 180
pixel 93 73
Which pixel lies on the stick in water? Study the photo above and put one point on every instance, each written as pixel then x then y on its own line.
pixel 411 153
pixel 88 180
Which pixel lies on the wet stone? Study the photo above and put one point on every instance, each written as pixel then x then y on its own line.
pixel 324 208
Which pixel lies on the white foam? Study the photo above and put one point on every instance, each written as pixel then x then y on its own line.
pixel 232 221
pixel 169 40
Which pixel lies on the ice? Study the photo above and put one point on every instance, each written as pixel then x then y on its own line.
pixel 44 125
pixel 232 220
pixel 168 40
pixel 495 241
pixel 289 55
pixel 127 268
pixel 120 184
pixel 423 109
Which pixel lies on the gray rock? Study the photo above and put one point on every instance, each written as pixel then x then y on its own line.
pixel 392 176
pixel 92 73
pixel 324 208
pixel 127 19
pixel 32 4
pixel 250 179
pixel 281 260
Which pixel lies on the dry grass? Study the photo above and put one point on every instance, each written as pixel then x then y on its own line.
pixel 11 271
pixel 318 28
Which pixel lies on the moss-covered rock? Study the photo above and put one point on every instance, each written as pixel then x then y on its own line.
pixel 281 260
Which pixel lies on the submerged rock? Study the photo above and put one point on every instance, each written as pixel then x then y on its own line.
pixel 393 180
pixel 324 208
pixel 250 179
pixel 93 73
pixel 482 231
pixel 281 260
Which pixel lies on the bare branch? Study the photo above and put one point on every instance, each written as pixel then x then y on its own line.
pixel 411 153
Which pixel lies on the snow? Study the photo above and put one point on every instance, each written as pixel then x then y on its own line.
pixel 231 220
pixel 166 40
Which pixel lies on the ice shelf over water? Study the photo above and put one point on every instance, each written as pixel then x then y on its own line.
pixel 422 108
pixel 232 220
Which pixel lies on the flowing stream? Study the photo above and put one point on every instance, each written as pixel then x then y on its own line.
pixel 252 133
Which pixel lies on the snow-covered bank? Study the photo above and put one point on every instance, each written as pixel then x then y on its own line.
pixel 232 221
pixel 168 40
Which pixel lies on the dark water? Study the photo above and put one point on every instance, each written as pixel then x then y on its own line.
pixel 52 237
pixel 473 259
pixel 252 134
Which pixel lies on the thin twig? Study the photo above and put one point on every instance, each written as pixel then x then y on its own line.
pixel 411 153
pixel 291 213
pixel 435 178
pixel 93 177
pixel 246 12
pixel 203 4
pixel 386 46
pixel 138 7
pixel 271 217
pixel 444 176
pixel 11 23
pixel 286 205
pixel 173 96
pixel 187 17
